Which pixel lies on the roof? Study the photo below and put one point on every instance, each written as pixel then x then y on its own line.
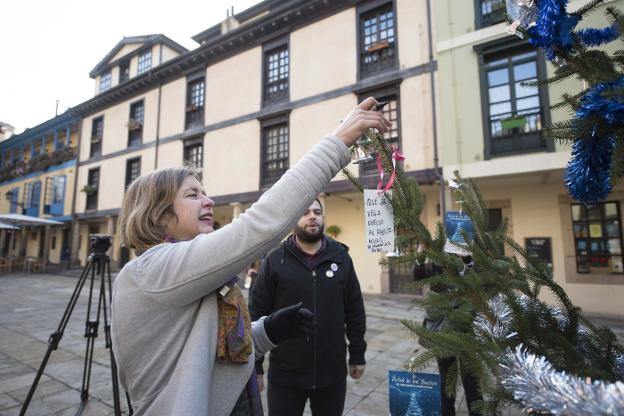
pixel 128 40
pixel 244 16
pixel 67 118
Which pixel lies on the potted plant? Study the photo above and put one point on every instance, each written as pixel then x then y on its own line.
pixel 89 189
pixel 333 231
pixel 134 124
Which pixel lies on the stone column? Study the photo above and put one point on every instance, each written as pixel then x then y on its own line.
pixel 74 255
pixel 23 240
pixel 236 209
pixel 323 198
pixel 47 236
pixel 110 230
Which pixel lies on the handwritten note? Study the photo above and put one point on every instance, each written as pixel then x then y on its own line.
pixel 379 222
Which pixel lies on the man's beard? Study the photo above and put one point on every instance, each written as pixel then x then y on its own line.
pixel 308 237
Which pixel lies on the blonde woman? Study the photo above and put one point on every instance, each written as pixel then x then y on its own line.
pixel 181 332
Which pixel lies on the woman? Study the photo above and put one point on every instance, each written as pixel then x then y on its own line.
pixel 180 328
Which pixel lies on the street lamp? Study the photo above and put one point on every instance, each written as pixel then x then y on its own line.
pixel 11 197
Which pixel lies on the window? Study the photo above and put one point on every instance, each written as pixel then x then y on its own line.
pixel 133 170
pixel 513 114
pixel 32 197
pixel 276 72
pixel 14 200
pixel 597 237
pixel 275 150
pixel 135 124
pixel 145 62
pixel 54 200
pixel 194 154
pixel 97 133
pixel 195 93
pixel 377 44
pixel 105 81
pixel 391 112
pixel 489 12
pixel 124 71
pixel 93 180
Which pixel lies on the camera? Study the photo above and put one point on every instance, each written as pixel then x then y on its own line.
pixel 99 243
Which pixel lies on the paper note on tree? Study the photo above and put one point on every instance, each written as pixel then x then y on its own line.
pixel 379 222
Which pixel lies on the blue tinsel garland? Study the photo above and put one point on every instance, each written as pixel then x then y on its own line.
pixel 597 37
pixel 553 27
pixel 587 176
pixel 609 108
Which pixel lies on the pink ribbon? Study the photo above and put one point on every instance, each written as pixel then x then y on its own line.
pixel 396 155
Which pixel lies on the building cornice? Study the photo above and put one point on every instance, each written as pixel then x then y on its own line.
pixel 394 77
pixel 68 117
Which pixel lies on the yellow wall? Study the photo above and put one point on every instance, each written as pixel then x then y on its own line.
pixel 169 155
pixel 173 104
pixel 232 159
pixel 536 212
pixel 411 22
pixel 233 86
pixel 323 55
pixel 125 50
pixel 168 53
pixel 308 124
pixel 112 179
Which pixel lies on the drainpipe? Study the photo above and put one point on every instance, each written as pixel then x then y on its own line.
pixel 436 161
pixel 157 128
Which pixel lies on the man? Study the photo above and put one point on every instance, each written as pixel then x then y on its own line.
pixel 316 270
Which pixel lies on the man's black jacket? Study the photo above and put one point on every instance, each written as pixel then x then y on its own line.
pixel 331 290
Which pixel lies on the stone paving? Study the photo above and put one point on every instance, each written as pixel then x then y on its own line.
pixel 31 308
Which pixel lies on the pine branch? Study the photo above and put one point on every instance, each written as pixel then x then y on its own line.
pixel 587 8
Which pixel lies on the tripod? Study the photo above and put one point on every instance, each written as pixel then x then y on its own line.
pixel 97 262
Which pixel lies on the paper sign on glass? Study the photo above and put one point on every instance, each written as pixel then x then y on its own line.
pixel 379 222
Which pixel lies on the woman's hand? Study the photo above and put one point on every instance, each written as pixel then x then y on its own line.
pixel 360 119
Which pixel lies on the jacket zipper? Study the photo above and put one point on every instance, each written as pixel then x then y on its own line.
pixel 315 329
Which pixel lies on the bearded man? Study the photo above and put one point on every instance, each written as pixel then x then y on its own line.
pixel 311 268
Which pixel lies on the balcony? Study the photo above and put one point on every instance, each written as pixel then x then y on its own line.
pixel 194 116
pixel 38 163
pixel 519 132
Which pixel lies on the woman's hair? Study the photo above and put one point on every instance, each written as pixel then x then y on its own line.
pixel 147 199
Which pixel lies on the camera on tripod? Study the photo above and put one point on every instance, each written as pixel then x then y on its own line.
pixel 99 243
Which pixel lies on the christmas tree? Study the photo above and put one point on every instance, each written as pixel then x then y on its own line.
pixel 413 408
pixel 493 313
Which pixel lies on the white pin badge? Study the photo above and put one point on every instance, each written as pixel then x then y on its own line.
pixel 334 267
pixel 329 273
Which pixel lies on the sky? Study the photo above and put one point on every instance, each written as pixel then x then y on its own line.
pixel 49 47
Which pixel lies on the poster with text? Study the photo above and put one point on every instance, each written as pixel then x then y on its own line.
pixel 456 225
pixel 379 222
pixel 414 394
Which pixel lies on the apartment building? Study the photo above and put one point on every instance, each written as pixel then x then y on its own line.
pixel 37 176
pixel 491 131
pixel 261 89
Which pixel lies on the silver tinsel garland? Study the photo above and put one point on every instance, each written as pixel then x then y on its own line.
pixel 534 382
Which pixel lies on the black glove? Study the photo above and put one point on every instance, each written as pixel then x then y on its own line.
pixel 289 322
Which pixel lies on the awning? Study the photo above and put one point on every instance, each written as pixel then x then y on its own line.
pixel 26 220
pixel 4 226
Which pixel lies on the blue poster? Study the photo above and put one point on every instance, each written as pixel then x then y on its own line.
pixel 457 223
pixel 414 394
